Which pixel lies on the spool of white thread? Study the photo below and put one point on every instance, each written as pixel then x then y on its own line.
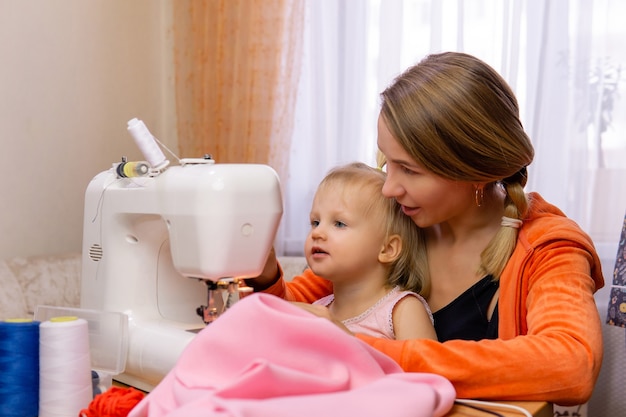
pixel 65 386
pixel 147 144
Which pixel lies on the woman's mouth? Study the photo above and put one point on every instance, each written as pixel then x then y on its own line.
pixel 410 211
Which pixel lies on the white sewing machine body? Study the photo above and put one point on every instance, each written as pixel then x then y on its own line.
pixel 151 244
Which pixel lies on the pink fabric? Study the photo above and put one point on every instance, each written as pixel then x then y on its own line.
pixel 267 357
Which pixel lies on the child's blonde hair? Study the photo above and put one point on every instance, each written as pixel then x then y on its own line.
pixel 359 177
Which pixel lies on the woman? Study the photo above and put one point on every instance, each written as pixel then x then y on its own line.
pixel 511 278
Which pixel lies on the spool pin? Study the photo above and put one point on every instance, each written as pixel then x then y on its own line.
pixel 132 169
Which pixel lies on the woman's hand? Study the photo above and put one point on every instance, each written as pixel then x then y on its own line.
pixel 323 312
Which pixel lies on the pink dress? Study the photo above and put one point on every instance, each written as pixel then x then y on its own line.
pixel 377 320
pixel 267 357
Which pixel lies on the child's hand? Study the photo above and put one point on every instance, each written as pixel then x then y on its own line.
pixel 323 312
pixel 269 275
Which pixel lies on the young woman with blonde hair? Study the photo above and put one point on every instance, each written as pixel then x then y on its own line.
pixel 511 277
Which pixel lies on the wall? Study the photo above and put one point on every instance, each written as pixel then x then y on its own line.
pixel 73 73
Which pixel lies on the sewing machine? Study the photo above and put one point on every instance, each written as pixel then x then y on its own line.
pixel 168 247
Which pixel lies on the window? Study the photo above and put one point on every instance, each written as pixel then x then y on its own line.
pixel 564 60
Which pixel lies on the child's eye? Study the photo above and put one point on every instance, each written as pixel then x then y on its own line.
pixel 340 224
pixel 315 223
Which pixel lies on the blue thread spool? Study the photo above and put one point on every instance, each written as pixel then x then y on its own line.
pixel 19 368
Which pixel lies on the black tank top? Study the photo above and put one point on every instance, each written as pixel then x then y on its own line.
pixel 466 316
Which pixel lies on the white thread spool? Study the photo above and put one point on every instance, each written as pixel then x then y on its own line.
pixel 147 144
pixel 65 386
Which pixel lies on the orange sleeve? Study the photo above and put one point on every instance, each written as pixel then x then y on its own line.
pixel 306 287
pixel 556 359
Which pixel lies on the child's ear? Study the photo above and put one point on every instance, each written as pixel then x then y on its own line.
pixel 390 250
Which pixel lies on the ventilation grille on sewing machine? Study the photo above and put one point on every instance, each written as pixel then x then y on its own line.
pixel 95 252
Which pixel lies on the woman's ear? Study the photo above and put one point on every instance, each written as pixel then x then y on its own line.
pixel 390 250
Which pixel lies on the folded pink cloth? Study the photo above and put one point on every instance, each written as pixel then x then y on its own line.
pixel 267 357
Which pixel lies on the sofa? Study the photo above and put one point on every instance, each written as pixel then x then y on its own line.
pixel 39 280
pixel 54 280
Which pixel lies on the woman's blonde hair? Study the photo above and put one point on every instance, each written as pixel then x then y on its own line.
pixel 458 118
pixel 369 181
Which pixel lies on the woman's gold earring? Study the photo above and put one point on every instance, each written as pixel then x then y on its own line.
pixel 479 195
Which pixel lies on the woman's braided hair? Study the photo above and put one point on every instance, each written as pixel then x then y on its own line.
pixel 458 118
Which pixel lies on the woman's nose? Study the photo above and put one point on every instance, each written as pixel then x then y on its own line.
pixel 391 189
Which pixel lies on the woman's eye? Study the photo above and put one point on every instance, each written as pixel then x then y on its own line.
pixel 400 168
pixel 407 170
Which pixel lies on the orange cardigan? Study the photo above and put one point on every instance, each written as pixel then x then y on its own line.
pixel 550 337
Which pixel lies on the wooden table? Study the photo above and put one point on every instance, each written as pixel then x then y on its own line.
pixel 536 408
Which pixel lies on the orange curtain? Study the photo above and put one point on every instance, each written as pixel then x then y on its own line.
pixel 237 64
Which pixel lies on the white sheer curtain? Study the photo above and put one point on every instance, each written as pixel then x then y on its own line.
pixel 563 59
pixel 336 107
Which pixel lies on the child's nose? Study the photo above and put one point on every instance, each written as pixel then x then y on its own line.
pixel 318 232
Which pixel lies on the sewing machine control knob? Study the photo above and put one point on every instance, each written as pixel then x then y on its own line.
pixel 247 229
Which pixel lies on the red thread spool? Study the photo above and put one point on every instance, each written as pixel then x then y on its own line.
pixel 115 402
